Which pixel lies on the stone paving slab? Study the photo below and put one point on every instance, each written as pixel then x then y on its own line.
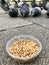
pixel 6 22
pixel 34 30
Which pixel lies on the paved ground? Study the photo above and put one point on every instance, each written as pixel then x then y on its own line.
pixel 38 27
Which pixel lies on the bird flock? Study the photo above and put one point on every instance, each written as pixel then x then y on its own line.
pixel 24 9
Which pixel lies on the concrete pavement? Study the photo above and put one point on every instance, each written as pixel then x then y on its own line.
pixel 37 27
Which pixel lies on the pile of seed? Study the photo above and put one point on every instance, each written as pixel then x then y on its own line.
pixel 23 48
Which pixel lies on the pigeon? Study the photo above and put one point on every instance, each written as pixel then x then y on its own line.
pixel 33 4
pixel 16 4
pixel 13 12
pixel 44 5
pixel 36 11
pixel 24 10
pixel 4 5
pixel 47 6
pixel 20 4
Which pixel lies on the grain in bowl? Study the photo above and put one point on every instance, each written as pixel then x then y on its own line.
pixel 27 45
pixel 24 48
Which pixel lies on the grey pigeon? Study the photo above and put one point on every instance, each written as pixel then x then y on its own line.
pixel 4 5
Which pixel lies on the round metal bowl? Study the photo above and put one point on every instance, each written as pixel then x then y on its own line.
pixel 23 59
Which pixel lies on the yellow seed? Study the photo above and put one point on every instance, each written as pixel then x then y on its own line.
pixel 24 48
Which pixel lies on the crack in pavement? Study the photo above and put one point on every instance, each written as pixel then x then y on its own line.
pixel 16 27
pixel 38 25
pixel 24 26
